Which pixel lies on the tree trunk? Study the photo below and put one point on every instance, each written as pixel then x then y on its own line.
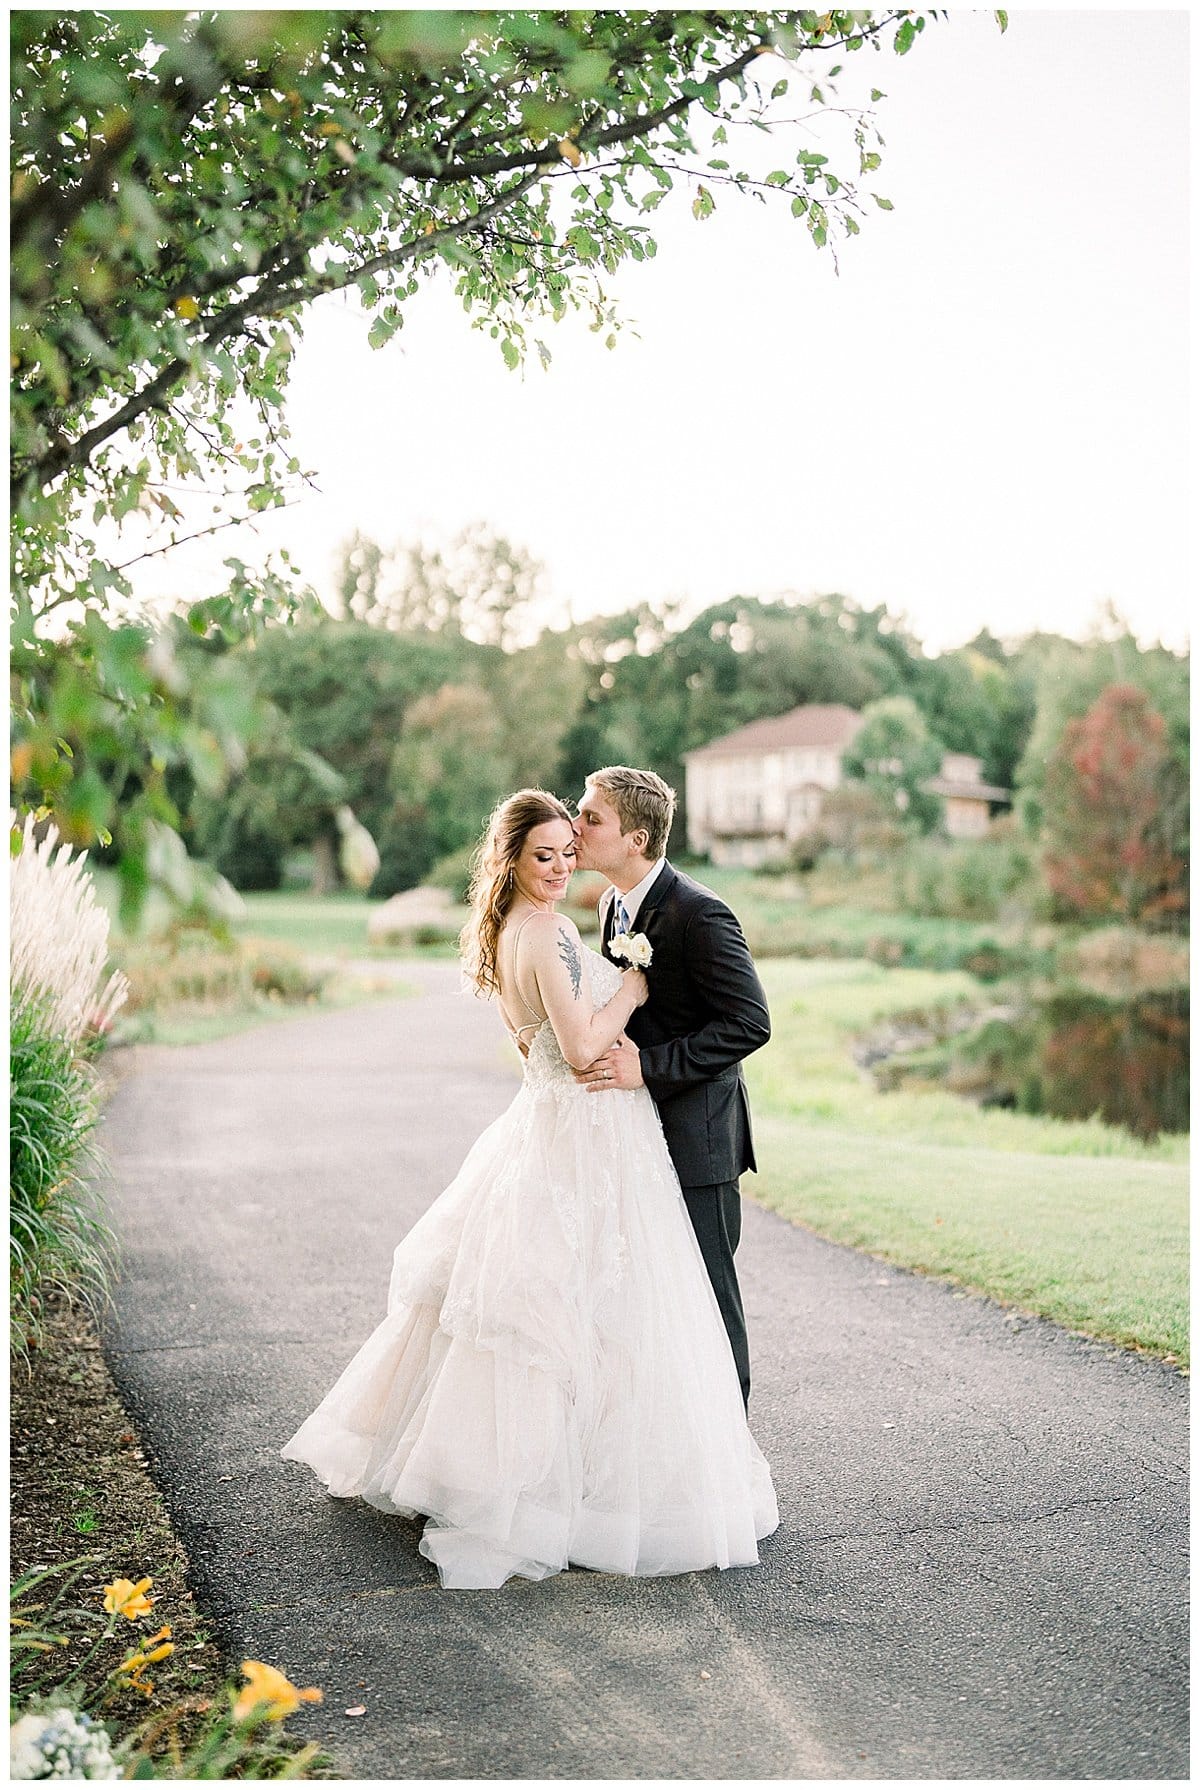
pixel 325 872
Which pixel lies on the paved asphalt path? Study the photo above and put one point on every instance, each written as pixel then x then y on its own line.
pixel 980 1568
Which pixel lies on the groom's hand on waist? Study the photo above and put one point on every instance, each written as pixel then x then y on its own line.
pixel 619 1067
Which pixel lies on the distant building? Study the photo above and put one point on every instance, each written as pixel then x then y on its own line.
pixel 753 793
pixel 966 800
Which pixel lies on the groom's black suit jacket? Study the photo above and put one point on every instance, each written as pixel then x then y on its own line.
pixel 706 1011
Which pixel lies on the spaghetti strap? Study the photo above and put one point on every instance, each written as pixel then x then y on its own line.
pixel 539 1019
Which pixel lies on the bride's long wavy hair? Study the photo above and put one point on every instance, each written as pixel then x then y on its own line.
pixel 493 888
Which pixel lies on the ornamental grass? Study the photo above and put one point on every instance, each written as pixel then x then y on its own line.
pixel 61 1001
pixel 58 934
pixel 57 1236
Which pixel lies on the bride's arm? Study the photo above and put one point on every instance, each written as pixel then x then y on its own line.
pixel 555 955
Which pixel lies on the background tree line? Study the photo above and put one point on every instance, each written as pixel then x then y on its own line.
pixel 433 693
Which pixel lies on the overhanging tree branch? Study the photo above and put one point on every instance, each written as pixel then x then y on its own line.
pixel 48 209
pixel 270 295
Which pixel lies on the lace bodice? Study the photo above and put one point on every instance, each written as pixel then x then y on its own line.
pixel 545 1066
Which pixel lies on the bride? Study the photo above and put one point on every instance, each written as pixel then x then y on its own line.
pixel 552 1384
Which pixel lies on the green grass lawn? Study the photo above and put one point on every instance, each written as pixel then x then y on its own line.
pixel 334 925
pixel 1073 1220
pixel 317 923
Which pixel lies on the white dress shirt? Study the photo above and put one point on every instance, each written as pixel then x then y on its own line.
pixel 633 900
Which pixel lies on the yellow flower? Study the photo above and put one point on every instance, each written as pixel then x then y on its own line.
pixel 124 1598
pixel 156 1647
pixel 264 1685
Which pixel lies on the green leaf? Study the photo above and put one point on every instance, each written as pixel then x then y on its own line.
pixel 380 332
pixel 511 353
pixel 703 205
pixel 1002 20
pixel 883 204
pixel 799 205
pixel 905 37
pixel 778 177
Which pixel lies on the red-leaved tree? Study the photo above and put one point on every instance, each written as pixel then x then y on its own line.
pixel 1113 809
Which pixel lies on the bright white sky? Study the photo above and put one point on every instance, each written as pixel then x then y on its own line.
pixel 981 421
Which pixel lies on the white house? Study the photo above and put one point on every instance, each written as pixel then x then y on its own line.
pixel 752 793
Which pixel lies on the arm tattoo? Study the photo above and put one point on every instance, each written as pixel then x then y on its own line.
pixel 568 952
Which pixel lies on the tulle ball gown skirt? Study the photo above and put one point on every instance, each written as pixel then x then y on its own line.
pixel 552 1383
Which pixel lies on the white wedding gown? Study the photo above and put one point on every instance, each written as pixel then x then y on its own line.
pixel 552 1383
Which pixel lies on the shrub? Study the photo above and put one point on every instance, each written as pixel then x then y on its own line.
pixel 855 823
pixel 428 934
pixel 247 855
pixel 964 879
pixel 194 968
pixel 56 1235
pixel 283 975
pixel 1121 960
pixel 1114 819
pixel 406 851
pixel 452 872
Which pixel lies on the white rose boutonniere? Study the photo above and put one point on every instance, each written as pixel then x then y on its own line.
pixel 635 947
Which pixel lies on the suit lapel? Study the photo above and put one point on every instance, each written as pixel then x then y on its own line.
pixel 654 895
pixel 645 914
pixel 606 930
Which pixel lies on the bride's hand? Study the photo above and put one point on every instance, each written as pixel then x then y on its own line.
pixel 635 979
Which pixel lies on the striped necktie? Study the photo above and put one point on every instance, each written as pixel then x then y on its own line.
pixel 621 920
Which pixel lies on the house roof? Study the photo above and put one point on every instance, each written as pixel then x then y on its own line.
pixel 829 724
pixel 967 790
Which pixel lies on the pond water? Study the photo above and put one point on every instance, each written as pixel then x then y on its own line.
pixel 1070 1054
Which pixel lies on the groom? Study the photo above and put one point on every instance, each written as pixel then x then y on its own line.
pixel 706 1011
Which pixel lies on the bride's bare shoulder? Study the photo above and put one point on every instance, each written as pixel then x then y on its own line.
pixel 539 932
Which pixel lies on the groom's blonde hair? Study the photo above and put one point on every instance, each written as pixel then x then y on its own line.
pixel 641 799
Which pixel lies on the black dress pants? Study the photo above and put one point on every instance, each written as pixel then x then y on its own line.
pixel 716 1215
